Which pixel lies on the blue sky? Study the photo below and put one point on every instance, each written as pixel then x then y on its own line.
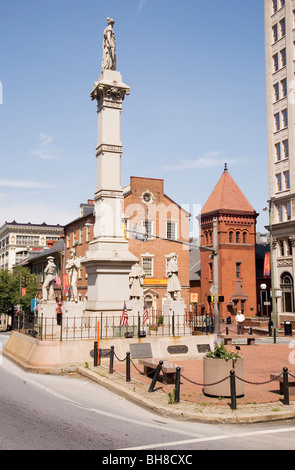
pixel 197 76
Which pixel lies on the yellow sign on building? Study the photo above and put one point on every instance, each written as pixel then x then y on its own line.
pixel 148 282
pixel 194 298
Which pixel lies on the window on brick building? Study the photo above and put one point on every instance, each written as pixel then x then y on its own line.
pixel 147 265
pixel 238 237
pixel 147 224
pixel 238 269
pixel 171 230
pixel 230 237
pixel 244 237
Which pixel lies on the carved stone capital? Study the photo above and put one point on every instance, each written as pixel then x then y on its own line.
pixel 113 95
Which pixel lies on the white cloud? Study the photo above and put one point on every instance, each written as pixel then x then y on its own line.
pixel 37 213
pixel 140 7
pixel 23 184
pixel 42 151
pixel 208 160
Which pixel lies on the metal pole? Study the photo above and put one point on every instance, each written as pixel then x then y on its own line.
pixel 173 325
pixel 216 277
pixel 233 395
pixel 95 354
pixel 177 385
pixel 112 353
pixel 285 386
pixel 128 366
pixel 273 300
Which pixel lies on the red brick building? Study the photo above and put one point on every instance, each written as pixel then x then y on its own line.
pixel 236 220
pixel 148 208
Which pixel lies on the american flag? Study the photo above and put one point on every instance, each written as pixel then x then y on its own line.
pixel 145 313
pixel 124 317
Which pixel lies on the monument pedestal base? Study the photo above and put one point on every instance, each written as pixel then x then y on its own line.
pixel 47 318
pixel 177 307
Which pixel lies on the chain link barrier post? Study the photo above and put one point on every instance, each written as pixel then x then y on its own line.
pixel 128 366
pixel 177 385
pixel 286 386
pixel 233 394
pixel 95 354
pixel 111 366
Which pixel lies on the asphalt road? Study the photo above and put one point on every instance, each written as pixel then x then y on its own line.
pixel 69 412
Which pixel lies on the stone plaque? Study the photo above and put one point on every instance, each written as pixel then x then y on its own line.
pixel 103 352
pixel 141 351
pixel 177 349
pixel 203 348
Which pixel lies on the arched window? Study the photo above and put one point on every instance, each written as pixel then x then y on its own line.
pixel 230 237
pixel 287 292
pixel 244 237
pixel 238 237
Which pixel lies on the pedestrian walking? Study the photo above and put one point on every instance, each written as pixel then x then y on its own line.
pixel 240 319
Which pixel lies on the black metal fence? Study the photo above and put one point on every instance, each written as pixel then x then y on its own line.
pixel 107 326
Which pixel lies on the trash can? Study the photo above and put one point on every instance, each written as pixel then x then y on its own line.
pixel 288 328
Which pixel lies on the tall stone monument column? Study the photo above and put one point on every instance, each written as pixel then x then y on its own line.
pixel 108 261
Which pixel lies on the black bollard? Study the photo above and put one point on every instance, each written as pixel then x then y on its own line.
pixel 156 375
pixel 128 366
pixel 177 385
pixel 286 386
pixel 95 354
pixel 226 330
pixel 112 353
pixel 233 394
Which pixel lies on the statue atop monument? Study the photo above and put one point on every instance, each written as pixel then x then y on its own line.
pixel 72 267
pixel 48 286
pixel 109 58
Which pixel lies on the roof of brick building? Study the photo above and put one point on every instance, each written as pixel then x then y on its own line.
pixel 227 196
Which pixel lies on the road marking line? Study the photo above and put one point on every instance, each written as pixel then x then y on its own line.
pixel 210 438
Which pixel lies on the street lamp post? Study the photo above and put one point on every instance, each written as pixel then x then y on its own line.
pixel 273 299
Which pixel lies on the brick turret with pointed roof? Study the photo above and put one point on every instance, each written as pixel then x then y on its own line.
pixel 236 247
pixel 227 196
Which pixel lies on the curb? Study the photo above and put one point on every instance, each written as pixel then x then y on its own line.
pixel 188 411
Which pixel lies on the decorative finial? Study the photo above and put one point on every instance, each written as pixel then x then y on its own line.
pixel 225 168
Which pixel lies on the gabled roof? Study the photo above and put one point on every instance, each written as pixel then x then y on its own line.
pixel 227 196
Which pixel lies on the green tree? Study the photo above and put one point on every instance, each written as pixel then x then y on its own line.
pixel 11 284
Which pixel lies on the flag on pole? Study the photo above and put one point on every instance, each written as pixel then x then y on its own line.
pixel 145 313
pixel 124 317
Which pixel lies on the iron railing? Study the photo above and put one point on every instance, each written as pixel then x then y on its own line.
pixel 106 326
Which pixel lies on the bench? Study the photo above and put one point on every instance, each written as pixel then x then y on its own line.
pixel 228 339
pixel 291 382
pixel 168 369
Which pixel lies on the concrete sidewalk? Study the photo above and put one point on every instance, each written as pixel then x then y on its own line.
pixel 261 402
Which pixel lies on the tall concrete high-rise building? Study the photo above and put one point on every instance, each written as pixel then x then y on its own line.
pixel 280 105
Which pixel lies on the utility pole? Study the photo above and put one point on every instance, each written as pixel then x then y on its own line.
pixel 216 277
